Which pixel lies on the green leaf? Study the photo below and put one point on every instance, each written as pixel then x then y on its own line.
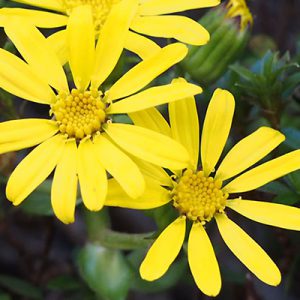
pixel 291 81
pixel 172 276
pixel 290 198
pixel 269 63
pixel 63 283
pixel 295 180
pixel 5 296
pixel 106 271
pixel 243 72
pixel 233 277
pixel 39 202
pixel 275 187
pixel 292 136
pixel 163 216
pixel 122 118
pixel 20 287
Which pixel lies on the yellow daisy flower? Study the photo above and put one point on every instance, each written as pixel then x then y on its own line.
pixel 81 139
pixel 200 195
pixel 147 18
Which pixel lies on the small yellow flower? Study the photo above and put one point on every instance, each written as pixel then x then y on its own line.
pixel 81 138
pixel 146 18
pixel 199 195
pixel 239 8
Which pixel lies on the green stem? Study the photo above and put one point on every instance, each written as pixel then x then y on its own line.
pixel 125 241
pixel 98 229
pixel 96 223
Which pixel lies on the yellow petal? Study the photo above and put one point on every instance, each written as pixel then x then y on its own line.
pixel 120 166
pixel 181 28
pixel 273 214
pixel 155 96
pixel 38 18
pixel 20 134
pixel 158 7
pixel 265 173
pixel 185 125
pixel 18 79
pixel 34 48
pixel 140 45
pixel 48 4
pixel 203 262
pixel 248 251
pixel 216 128
pixel 112 39
pixel 154 196
pixel 152 119
pixel 81 45
pixel 144 72
pixel 58 42
pixel 249 151
pixel 34 169
pixel 149 145
pixel 163 251
pixel 92 177
pixel 156 173
pixel 64 186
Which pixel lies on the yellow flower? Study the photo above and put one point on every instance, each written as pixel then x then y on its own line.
pixel 239 8
pixel 81 138
pixel 146 18
pixel 199 195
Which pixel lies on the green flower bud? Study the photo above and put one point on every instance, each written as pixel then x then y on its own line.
pixel 228 38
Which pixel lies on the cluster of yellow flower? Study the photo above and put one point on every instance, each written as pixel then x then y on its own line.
pixel 81 142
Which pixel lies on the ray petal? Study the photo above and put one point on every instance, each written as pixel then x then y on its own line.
pixel 216 128
pixel 148 69
pixel 181 28
pixel 248 251
pixel 81 42
pixel 265 173
pixel 273 214
pixel 92 177
pixel 34 48
pixel 20 134
pixel 185 125
pixel 64 185
pixel 203 262
pixel 163 251
pixel 111 40
pixel 34 169
pixel 149 145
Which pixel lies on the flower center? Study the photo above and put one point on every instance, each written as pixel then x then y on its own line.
pixel 198 197
pixel 100 9
pixel 79 114
pixel 239 8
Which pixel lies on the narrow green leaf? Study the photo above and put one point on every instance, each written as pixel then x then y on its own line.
pixel 243 72
pixel 20 287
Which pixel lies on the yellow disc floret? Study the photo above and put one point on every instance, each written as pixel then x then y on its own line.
pixel 100 9
pixel 198 197
pixel 79 114
pixel 239 8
